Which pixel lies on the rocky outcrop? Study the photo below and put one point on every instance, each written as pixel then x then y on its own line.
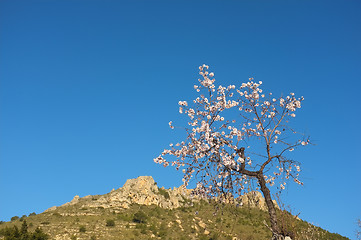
pixel 144 191
pixel 254 199
pixel 72 202
pixel 50 209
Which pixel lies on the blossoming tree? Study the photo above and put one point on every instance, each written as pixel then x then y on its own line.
pixel 236 137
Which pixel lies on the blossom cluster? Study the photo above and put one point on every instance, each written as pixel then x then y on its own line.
pixel 213 148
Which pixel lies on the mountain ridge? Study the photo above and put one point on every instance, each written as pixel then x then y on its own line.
pixel 143 190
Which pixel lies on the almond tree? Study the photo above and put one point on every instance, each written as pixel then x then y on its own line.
pixel 236 137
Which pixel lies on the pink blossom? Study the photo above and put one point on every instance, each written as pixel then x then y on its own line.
pixel 214 143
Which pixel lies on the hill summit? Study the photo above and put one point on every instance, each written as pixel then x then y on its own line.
pixel 144 191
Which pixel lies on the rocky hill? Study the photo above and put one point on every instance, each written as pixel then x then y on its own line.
pixel 142 210
pixel 144 191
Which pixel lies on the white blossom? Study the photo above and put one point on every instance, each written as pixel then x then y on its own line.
pixel 224 119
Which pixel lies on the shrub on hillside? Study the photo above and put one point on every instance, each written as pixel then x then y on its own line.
pixel 23 218
pixel 110 223
pixel 82 229
pixel 140 217
pixel 164 193
pixel 23 234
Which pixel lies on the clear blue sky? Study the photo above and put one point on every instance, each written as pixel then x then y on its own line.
pixel 88 88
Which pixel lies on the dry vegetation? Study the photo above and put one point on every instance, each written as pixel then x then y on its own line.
pixel 196 221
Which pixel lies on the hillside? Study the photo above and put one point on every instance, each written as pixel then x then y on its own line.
pixel 142 210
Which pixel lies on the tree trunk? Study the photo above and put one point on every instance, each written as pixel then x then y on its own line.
pixel 271 208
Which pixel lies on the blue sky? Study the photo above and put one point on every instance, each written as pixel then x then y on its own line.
pixel 87 89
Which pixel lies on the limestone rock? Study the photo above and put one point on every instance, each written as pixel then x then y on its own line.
pixel 254 199
pixel 72 202
pixel 50 209
pixel 201 224
pixel 144 191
